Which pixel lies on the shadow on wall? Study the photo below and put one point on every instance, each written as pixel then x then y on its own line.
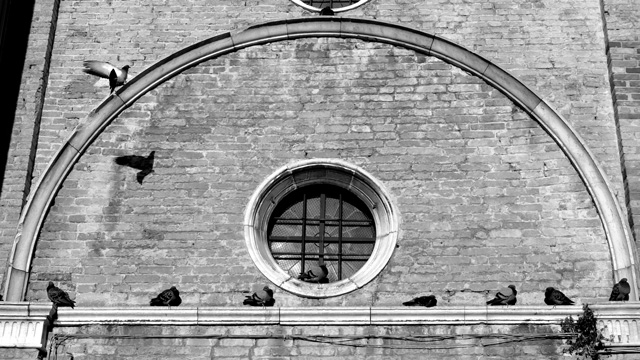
pixel 15 23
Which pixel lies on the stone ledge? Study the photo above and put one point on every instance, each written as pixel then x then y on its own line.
pixel 450 315
pixel 25 325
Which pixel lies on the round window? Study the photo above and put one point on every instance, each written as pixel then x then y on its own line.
pixel 321 228
pixel 335 5
pixel 321 233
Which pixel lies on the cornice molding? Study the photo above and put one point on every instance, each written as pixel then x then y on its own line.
pixel 25 324
pixel 359 316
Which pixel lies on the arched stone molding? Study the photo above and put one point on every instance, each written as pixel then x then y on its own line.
pixel 618 232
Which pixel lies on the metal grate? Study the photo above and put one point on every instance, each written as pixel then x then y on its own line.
pixel 321 223
pixel 332 4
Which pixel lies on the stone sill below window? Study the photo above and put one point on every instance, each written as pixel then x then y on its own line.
pixel 25 324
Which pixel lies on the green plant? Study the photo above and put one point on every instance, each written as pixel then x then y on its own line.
pixel 587 340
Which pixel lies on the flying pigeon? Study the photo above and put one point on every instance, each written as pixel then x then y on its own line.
pixel 556 297
pixel 169 297
pixel 428 301
pixel 263 298
pixel 105 70
pixel 506 296
pixel 620 291
pixel 59 297
pixel 145 164
pixel 315 274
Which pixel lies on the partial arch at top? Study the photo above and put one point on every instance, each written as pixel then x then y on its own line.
pixel 616 227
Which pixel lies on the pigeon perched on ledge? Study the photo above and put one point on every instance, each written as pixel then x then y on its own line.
pixel 326 11
pixel 169 297
pixel 144 164
pixel 506 296
pixel 59 297
pixel 105 70
pixel 262 298
pixel 556 297
pixel 427 301
pixel 620 291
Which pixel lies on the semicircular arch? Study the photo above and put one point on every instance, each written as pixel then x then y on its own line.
pixel 616 228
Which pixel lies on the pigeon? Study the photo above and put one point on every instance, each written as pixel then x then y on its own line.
pixel 59 297
pixel 506 296
pixel 105 70
pixel 145 164
pixel 260 298
pixel 316 274
pixel 620 291
pixel 326 11
pixel 1 298
pixel 428 301
pixel 169 297
pixel 556 297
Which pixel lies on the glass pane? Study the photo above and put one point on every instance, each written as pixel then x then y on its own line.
pixel 334 4
pixel 331 231
pixel 350 212
pixel 290 266
pixel 294 211
pixel 286 230
pixel 285 247
pixel 358 231
pixel 332 210
pixel 313 232
pixel 351 267
pixel 357 249
pixel 313 207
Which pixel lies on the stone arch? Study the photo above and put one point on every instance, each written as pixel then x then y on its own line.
pixel 617 229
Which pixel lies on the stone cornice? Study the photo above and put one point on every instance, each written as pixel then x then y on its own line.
pixel 359 316
pixel 25 324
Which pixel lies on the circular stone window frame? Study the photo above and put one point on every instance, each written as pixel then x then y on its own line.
pixel 312 172
pixel 336 10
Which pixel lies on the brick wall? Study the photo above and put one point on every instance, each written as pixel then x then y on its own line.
pixel 24 138
pixel 622 18
pixel 308 342
pixel 521 36
pixel 486 197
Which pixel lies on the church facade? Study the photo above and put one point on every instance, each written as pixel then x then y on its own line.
pixel 348 155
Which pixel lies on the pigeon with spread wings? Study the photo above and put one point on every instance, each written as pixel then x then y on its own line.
pixel 105 70
pixel 506 296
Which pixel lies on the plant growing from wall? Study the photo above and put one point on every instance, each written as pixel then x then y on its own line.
pixel 587 340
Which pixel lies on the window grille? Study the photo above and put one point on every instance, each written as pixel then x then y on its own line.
pixel 321 223
pixel 332 4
